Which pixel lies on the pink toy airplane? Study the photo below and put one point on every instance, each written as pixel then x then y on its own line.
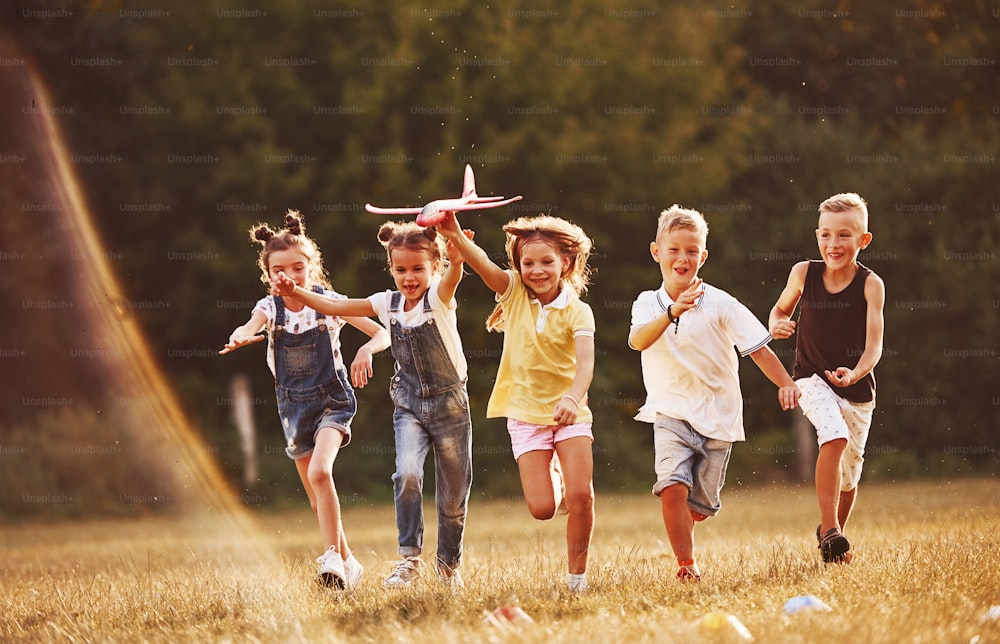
pixel 434 212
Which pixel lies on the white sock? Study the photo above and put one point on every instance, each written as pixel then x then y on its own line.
pixel 576 582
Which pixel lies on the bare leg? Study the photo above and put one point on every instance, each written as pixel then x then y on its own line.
pixel 316 472
pixel 828 482
pixel 536 481
pixel 577 460
pixel 846 505
pixel 677 520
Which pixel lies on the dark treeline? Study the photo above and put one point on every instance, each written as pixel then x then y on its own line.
pixel 190 123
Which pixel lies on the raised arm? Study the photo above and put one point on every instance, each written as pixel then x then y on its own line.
pixel 495 277
pixel 453 274
pixel 643 337
pixel 779 322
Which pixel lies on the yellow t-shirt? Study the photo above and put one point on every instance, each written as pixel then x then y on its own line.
pixel 538 363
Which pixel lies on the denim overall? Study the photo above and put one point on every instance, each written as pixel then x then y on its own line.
pixel 311 391
pixel 431 409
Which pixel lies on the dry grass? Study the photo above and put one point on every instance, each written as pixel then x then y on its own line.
pixel 925 570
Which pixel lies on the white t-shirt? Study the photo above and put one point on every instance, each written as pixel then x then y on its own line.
pixel 691 372
pixel 297 322
pixel 445 316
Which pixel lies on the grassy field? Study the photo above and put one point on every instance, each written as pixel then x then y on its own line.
pixel 925 570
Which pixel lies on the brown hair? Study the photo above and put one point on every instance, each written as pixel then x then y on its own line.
pixel 410 236
pixel 567 238
pixel 293 235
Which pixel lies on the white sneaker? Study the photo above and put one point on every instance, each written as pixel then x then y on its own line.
pixel 450 577
pixel 331 568
pixel 352 572
pixel 407 571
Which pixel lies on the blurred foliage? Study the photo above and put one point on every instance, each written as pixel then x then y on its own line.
pixel 601 114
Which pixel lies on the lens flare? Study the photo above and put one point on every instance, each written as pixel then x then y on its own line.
pixel 78 357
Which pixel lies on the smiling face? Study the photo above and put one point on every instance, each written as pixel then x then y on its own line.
pixel 542 267
pixel 412 271
pixel 680 252
pixel 292 262
pixel 840 237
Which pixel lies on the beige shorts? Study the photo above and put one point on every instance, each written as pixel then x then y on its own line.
pixel 835 417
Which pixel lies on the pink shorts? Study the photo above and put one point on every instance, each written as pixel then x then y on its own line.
pixel 529 437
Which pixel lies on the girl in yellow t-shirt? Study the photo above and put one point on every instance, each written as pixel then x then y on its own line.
pixel 545 370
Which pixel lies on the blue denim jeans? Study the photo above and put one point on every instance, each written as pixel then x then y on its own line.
pixel 444 424
pixel 431 411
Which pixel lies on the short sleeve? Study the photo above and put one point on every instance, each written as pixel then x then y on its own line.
pixel 583 320
pixel 643 309
pixel 746 331
pixel 380 304
pixel 266 306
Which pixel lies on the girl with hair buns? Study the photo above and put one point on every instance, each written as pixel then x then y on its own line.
pixel 428 391
pixel 315 400
pixel 545 369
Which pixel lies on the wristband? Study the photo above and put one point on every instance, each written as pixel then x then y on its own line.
pixel 575 401
pixel 672 320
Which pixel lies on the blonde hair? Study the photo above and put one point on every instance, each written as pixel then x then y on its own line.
pixel 844 202
pixel 568 239
pixel 678 218
pixel 412 237
pixel 293 235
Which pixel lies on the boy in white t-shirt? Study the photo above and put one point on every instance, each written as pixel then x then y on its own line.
pixel 686 331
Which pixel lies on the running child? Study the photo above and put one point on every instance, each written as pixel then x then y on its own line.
pixel 428 391
pixel 686 331
pixel 545 369
pixel 839 342
pixel 315 400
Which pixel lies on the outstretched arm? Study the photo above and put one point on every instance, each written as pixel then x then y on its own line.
pixel 286 287
pixel 246 333
pixel 779 322
pixel 770 366
pixel 495 277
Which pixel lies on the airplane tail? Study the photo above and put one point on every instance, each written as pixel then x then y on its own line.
pixel 469 186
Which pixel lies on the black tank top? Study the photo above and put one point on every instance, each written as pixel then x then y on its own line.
pixel 831 331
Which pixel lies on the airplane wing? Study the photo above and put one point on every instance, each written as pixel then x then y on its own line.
pixel 437 216
pixel 391 211
pixel 483 205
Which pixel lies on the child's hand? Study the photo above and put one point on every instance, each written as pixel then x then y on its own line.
pixel 449 226
pixel 788 397
pixel 454 254
pixel 782 329
pixel 361 368
pixel 282 285
pixel 240 339
pixel 842 377
pixel 689 298
pixel 566 410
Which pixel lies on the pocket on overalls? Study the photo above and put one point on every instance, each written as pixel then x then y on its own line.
pixel 301 361
pixel 337 397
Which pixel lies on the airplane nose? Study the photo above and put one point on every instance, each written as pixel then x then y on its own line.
pixel 429 209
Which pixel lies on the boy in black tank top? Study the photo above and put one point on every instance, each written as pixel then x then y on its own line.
pixel 839 342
